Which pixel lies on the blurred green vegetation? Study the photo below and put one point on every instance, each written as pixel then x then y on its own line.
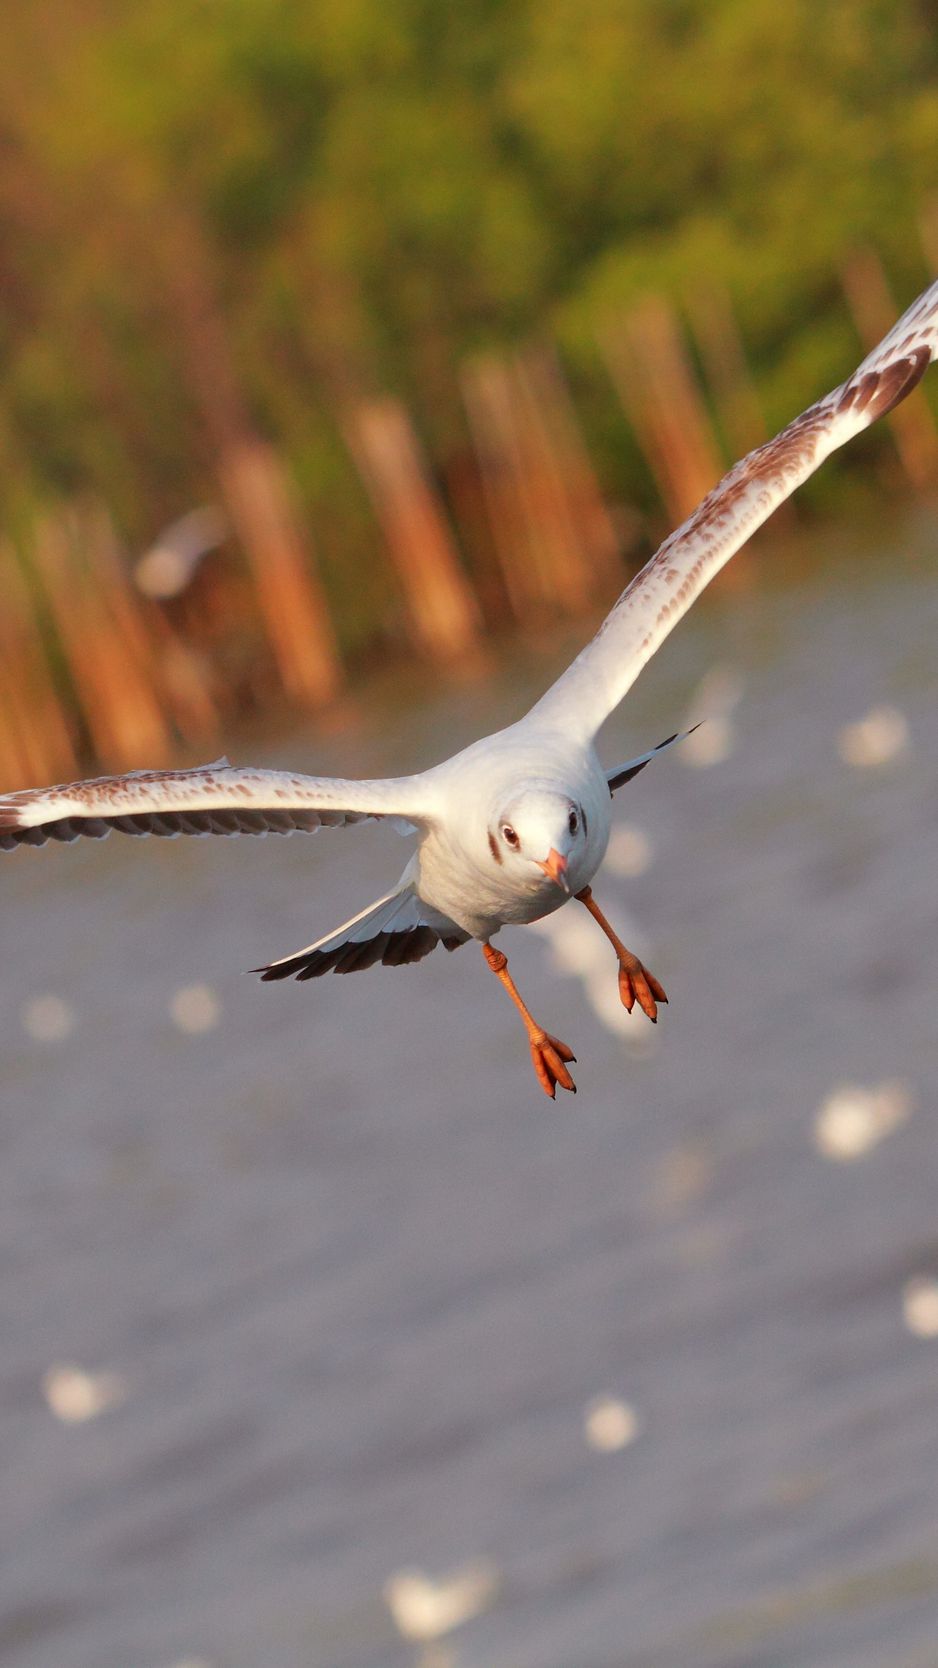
pixel 374 189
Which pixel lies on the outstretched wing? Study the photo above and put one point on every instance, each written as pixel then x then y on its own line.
pixel 211 799
pixel 397 929
pixel 657 597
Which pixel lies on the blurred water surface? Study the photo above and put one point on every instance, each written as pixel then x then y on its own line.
pixel 355 1284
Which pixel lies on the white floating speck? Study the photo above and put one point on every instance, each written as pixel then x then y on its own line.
pixel 883 735
pixel 48 1019
pixel 610 1424
pixel 195 1009
pixel 425 1608
pixel 629 852
pixel 853 1120
pixel 75 1395
pixel 920 1306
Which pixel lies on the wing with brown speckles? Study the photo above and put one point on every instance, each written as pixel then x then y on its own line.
pixel 652 604
pixel 212 799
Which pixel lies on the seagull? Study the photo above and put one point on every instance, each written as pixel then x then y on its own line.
pixel 516 825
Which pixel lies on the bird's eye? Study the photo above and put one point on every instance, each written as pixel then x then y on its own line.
pixel 573 822
pixel 510 837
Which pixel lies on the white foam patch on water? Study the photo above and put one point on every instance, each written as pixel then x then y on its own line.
pixel 195 1009
pixel 610 1424
pixel 877 739
pixel 48 1019
pixel 75 1395
pixel 425 1607
pixel 854 1119
pixel 920 1306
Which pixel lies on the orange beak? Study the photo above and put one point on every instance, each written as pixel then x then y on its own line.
pixel 556 867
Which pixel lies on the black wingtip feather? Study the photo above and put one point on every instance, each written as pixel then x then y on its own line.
pixel 391 949
pixel 619 778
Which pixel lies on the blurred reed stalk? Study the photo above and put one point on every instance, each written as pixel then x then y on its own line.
pixel 254 480
pixel 110 667
pixel 290 598
pixel 176 678
pixel 715 329
pixel 36 741
pixel 723 355
pixel 443 611
pixel 555 540
pixel 652 371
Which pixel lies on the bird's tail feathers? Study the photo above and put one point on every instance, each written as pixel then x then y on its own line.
pixel 397 929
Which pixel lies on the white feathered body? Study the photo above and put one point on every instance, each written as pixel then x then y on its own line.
pixel 454 871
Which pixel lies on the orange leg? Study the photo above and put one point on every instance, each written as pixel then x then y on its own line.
pixel 549 1056
pixel 635 981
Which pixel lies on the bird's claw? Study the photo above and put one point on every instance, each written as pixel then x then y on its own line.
pixel 636 984
pixel 550 1057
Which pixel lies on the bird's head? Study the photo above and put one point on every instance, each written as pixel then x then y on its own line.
pixel 539 834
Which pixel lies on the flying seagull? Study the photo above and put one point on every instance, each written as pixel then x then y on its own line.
pixel 516 825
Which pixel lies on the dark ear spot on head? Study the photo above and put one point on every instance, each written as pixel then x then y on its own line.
pixel 493 848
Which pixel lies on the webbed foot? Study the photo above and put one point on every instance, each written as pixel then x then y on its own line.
pixel 636 984
pixel 550 1057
